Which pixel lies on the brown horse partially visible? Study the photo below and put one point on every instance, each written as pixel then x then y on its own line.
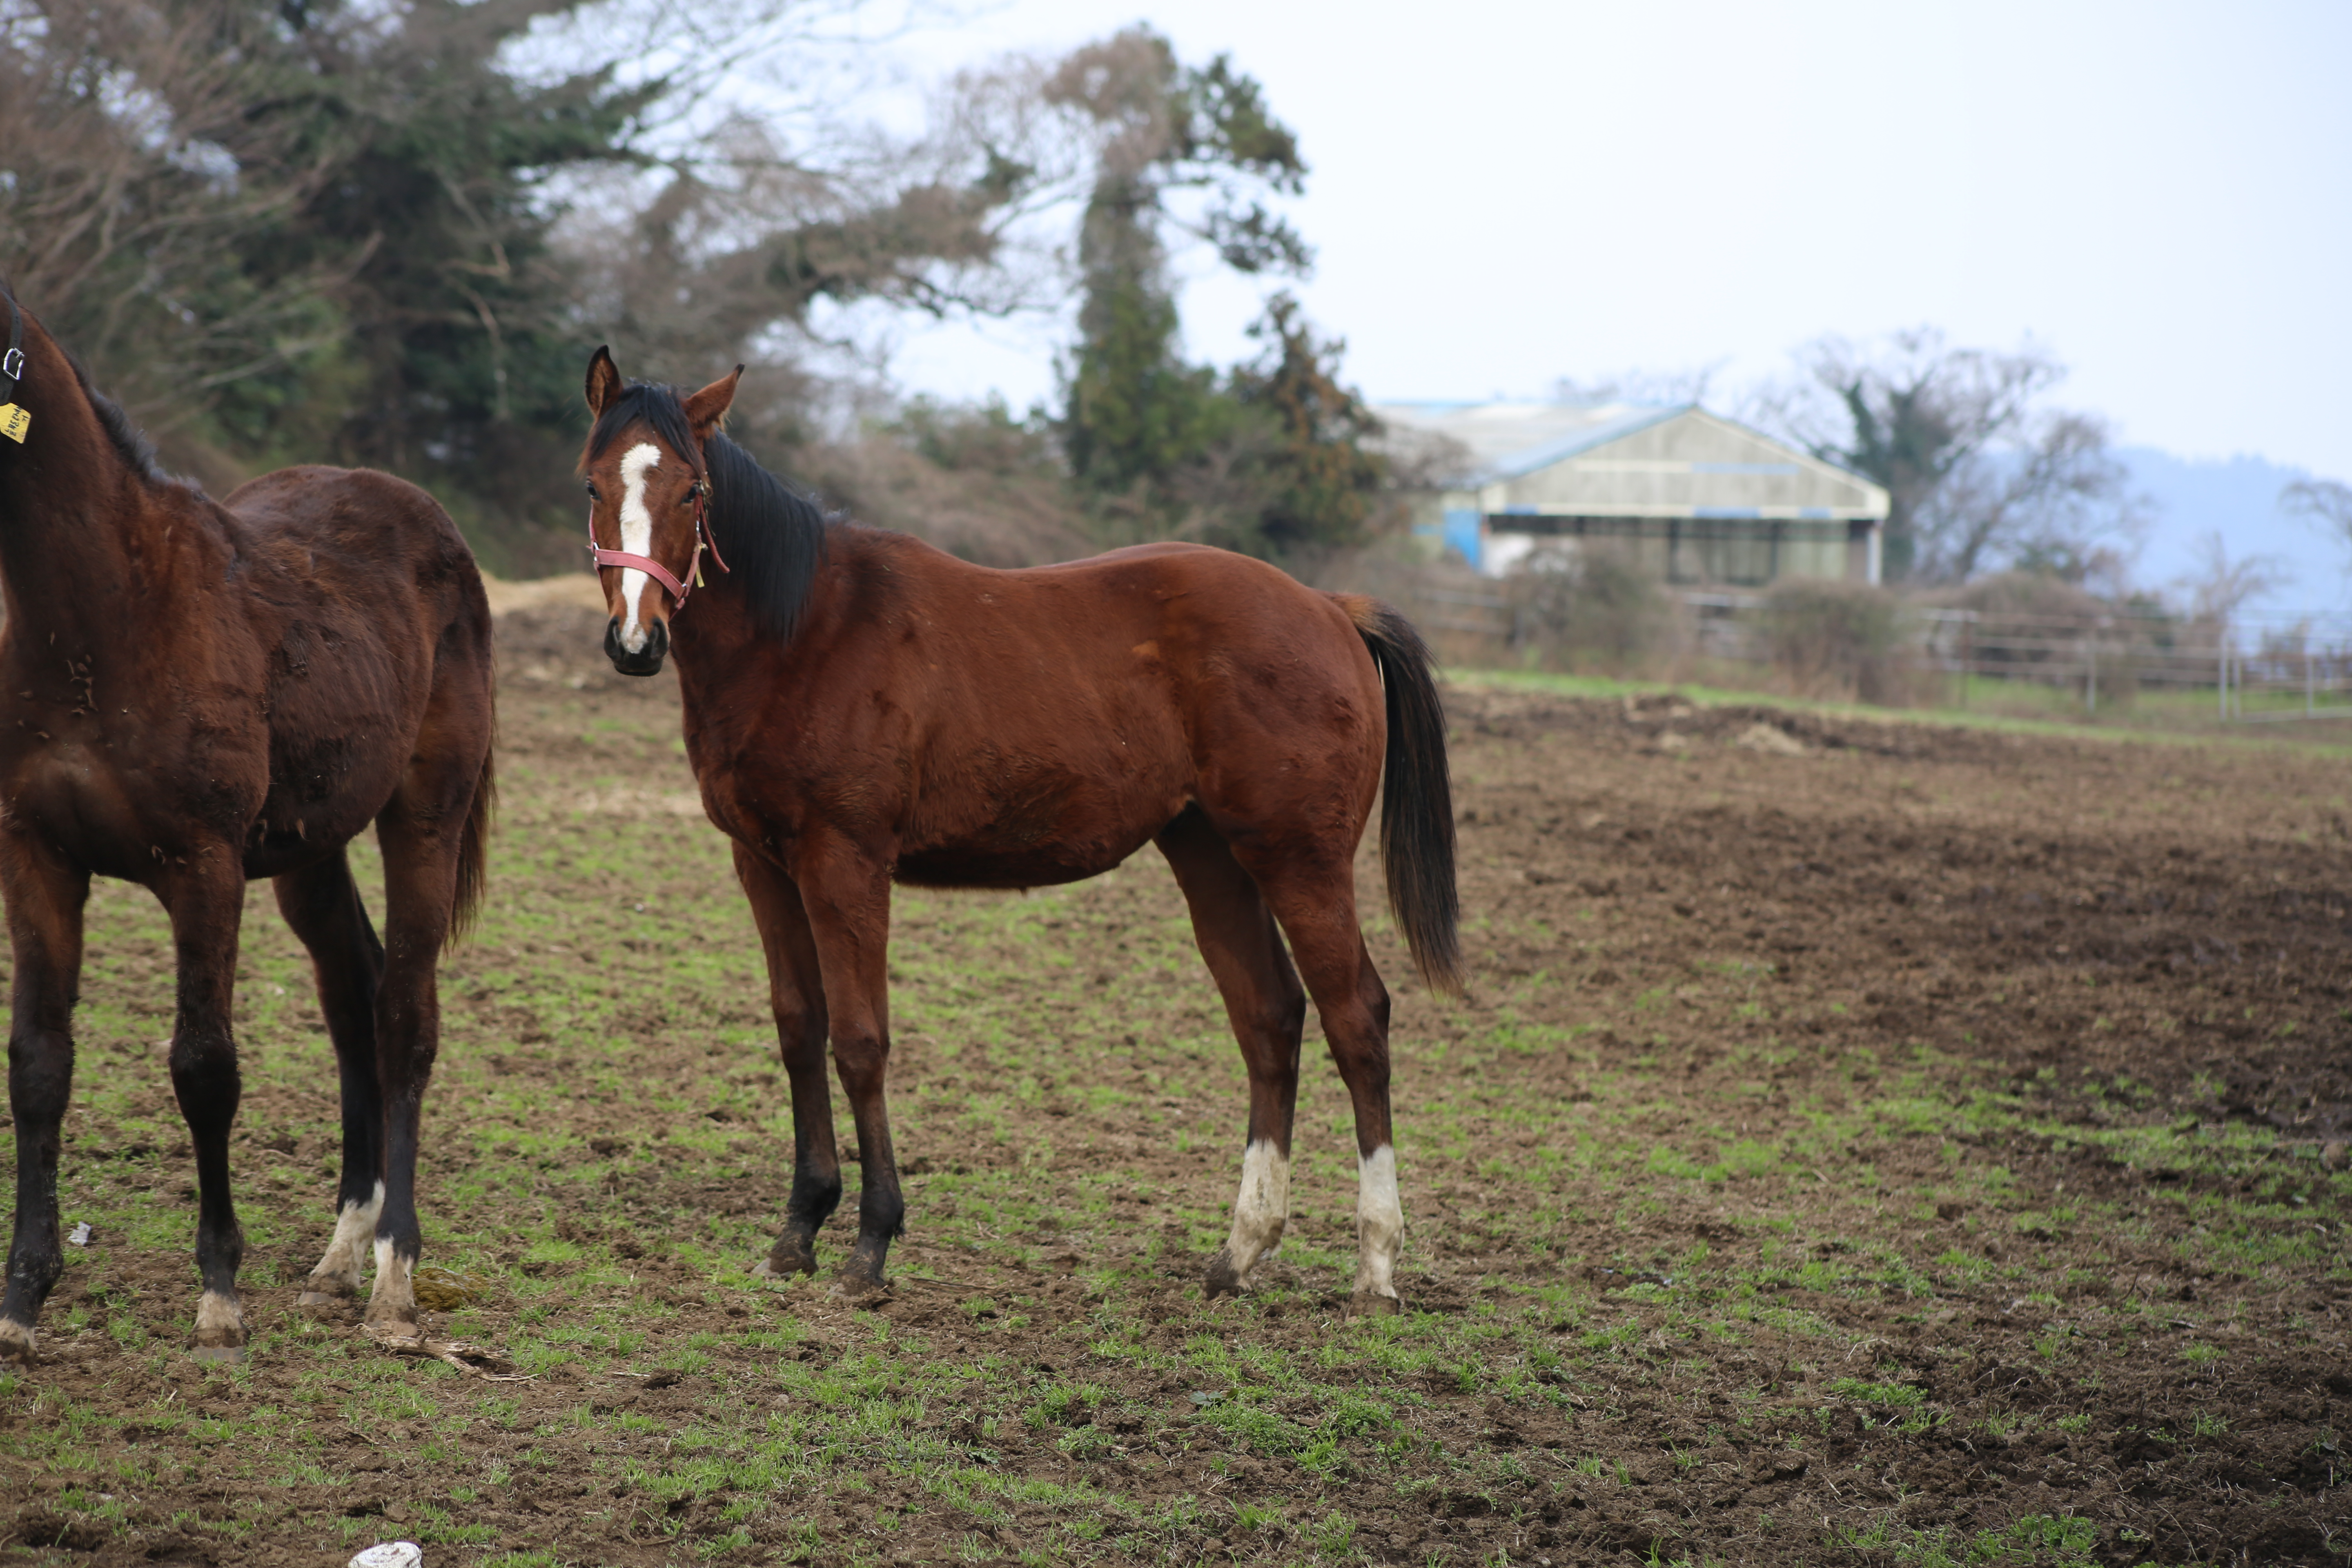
pixel 193 694
pixel 860 707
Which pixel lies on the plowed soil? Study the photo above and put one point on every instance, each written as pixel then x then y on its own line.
pixel 1867 1142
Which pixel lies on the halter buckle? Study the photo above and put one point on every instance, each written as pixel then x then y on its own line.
pixel 12 364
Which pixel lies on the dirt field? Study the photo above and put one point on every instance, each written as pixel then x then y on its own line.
pixel 1867 1144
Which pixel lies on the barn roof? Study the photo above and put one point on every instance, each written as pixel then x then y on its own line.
pixel 1628 459
pixel 1505 440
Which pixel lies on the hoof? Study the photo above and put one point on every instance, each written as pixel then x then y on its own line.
pixel 218 1356
pixel 1370 1304
pixel 400 1324
pixel 1221 1279
pixel 17 1342
pixel 788 1257
pixel 328 1290
pixel 332 1302
pixel 861 1290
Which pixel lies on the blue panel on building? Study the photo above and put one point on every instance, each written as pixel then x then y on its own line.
pixel 1462 532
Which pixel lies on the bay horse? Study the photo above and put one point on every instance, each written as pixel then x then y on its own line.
pixel 860 708
pixel 194 694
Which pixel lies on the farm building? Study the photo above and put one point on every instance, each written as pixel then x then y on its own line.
pixel 1701 500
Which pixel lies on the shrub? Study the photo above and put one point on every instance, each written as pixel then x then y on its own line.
pixel 1591 603
pixel 1830 636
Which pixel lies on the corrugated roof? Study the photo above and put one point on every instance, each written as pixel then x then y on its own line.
pixel 1506 440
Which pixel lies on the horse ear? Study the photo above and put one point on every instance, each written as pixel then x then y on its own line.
pixel 604 380
pixel 707 408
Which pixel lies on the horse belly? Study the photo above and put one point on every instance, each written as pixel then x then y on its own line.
pixel 1040 835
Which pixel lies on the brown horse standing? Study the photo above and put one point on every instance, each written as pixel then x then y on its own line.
pixel 191 695
pixel 860 707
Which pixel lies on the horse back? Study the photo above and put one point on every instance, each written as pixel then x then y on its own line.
pixel 1048 720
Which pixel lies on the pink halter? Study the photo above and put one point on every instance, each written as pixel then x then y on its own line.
pixel 703 540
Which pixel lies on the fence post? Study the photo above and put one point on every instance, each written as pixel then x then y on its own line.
pixel 2091 663
pixel 2221 672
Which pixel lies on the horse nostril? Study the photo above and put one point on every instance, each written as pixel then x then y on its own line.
pixel 646 660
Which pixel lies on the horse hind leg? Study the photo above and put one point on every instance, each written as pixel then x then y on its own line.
pixel 1267 1010
pixel 322 905
pixel 423 833
pixel 1317 907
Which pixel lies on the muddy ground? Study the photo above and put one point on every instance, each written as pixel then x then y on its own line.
pixel 1867 1142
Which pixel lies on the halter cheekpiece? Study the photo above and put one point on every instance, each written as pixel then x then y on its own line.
pixel 12 363
pixel 703 540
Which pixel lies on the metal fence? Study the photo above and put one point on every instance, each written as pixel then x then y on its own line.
pixel 2256 668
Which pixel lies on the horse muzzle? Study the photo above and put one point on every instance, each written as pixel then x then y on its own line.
pixel 646 660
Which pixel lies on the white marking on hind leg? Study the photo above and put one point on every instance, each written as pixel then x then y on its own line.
pixel 1262 1207
pixel 219 1321
pixel 338 1272
pixel 636 537
pixel 1380 1222
pixel 393 1300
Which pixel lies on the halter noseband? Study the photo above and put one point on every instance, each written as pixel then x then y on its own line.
pixel 703 540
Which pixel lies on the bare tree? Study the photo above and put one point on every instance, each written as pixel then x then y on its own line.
pixel 2220 587
pixel 1977 475
pixel 2327 503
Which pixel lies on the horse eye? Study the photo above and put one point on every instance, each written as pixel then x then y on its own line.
pixel 592 491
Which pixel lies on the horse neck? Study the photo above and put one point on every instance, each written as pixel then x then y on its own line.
pixel 719 644
pixel 73 512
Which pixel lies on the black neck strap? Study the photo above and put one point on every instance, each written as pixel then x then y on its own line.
pixel 12 363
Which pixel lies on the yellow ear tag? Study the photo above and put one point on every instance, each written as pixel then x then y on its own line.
pixel 14 421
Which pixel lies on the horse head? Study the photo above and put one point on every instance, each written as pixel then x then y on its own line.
pixel 648 483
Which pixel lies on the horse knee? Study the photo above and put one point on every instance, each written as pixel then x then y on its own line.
pixel 204 1076
pixel 862 1059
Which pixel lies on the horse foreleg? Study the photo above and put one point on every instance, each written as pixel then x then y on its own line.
pixel 321 903
pixel 45 901
pixel 206 901
pixel 796 993
pixel 847 897
pixel 1268 1011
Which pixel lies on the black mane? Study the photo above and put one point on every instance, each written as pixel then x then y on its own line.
pixel 131 443
pixel 771 536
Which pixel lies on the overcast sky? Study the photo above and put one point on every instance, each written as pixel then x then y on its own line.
pixel 1504 193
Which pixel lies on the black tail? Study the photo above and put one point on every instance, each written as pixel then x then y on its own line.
pixel 473 851
pixel 1416 795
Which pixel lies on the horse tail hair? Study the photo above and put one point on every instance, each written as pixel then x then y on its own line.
pixel 1416 794
pixel 473 850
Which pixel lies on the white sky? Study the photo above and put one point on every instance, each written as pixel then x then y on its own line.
pixel 1505 193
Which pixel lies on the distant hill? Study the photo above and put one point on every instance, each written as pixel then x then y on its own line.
pixel 2238 498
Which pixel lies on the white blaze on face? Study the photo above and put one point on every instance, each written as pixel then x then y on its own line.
pixel 636 538
pixel 1380 1222
pixel 1263 1206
